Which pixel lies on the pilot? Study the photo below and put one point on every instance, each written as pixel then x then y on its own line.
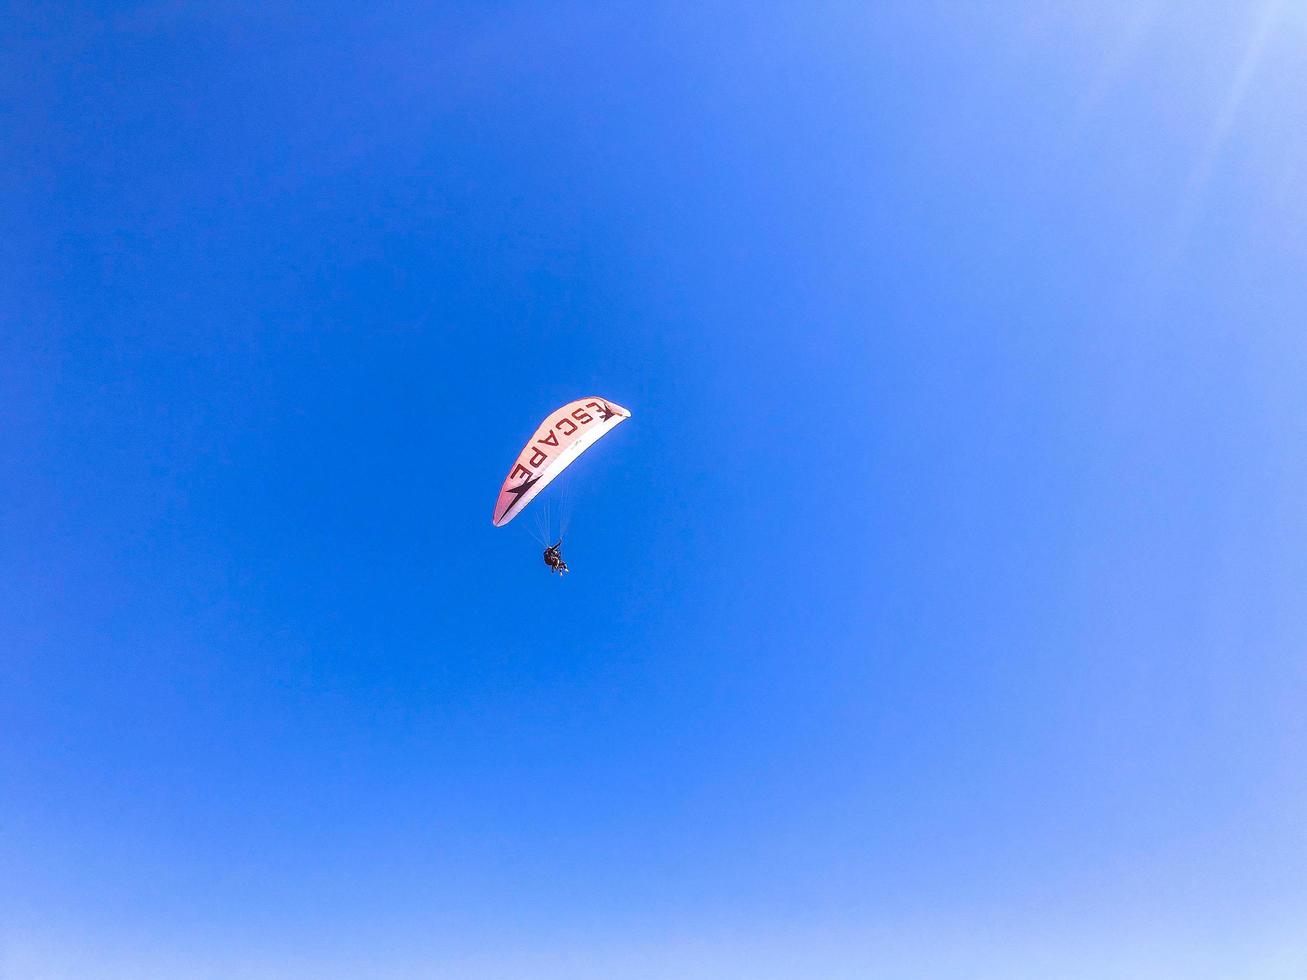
pixel 554 559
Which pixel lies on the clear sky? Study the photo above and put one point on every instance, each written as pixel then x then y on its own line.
pixel 938 614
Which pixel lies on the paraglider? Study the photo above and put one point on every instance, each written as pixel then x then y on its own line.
pixel 554 558
pixel 564 435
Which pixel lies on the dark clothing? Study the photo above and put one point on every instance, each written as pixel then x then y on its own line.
pixel 554 559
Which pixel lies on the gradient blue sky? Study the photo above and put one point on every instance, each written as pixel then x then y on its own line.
pixel 940 613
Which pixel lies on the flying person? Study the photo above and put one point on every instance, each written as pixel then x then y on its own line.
pixel 554 559
pixel 565 434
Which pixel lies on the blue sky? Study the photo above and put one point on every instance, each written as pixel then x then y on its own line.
pixel 938 614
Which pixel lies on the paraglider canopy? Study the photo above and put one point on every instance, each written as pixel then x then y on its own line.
pixel 564 435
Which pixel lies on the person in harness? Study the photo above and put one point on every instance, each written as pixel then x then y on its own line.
pixel 554 559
